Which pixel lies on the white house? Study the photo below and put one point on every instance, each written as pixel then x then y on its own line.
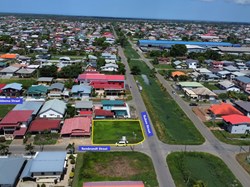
pixel 228 85
pixel 109 67
pixel 53 109
pixel 237 124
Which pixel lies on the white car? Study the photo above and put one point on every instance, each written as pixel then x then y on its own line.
pixel 121 143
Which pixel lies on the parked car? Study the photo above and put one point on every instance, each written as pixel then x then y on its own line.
pixel 121 143
pixel 193 104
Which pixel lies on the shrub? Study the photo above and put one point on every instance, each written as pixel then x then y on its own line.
pixel 73 169
pixel 43 185
pixel 2 139
pixel 71 175
pixel 71 157
pixel 72 161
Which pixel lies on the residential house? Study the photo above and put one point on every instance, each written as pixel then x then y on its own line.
pixel 191 64
pixel 25 72
pixel 37 91
pixel 42 125
pixel 15 123
pixel 35 106
pixel 76 127
pixel 9 71
pixel 47 81
pixel 103 114
pixel 118 107
pixel 46 167
pixel 179 65
pixel 228 86
pixel 12 90
pixel 114 184
pixel 55 90
pixel 11 169
pixel 110 67
pixel 237 124
pixel 81 91
pixel 217 65
pixel 223 74
pixel 222 109
pixel 243 83
pixel 177 74
pixel 108 56
pixel 231 68
pixel 244 107
pixel 53 109
pixel 241 66
pixel 84 108
pixel 201 93
pixel 236 74
pixel 190 85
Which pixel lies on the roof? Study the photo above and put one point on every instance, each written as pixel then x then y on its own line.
pixel 114 184
pixel 226 83
pixel 9 69
pixel 174 42
pixel 106 86
pixel 203 91
pixel 84 104
pixel 243 79
pixel 9 56
pixel 190 84
pixel 9 169
pixel 16 116
pixel 99 76
pixel 224 109
pixel 81 88
pixel 101 112
pixel 235 49
pixel 29 105
pixel 231 68
pixel 37 89
pixel 25 71
pixel 78 123
pixel 177 73
pixel 48 162
pixel 39 125
pixel 235 119
pixel 244 105
pixel 45 79
pixel 58 85
pixel 55 105
pixel 16 86
pixel 112 102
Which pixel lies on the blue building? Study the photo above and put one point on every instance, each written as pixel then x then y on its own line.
pixel 169 43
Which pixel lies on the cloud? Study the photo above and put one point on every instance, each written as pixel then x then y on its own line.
pixel 242 2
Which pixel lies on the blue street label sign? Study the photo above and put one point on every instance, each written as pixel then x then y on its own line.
pixel 147 124
pixel 11 101
pixel 94 148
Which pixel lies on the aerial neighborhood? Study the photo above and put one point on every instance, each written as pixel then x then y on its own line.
pixel 72 89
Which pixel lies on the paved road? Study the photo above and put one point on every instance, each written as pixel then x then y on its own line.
pixel 212 144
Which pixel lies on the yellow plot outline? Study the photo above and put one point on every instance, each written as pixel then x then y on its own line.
pixel 127 120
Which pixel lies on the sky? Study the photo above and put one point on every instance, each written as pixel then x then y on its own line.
pixel 209 10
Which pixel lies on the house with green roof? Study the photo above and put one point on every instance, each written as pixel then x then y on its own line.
pixel 37 91
pixel 118 107
pixel 190 85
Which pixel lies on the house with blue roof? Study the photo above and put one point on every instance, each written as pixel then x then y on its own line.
pixel 243 83
pixel 29 105
pixel 118 107
pixel 80 91
pixel 46 167
pixel 12 90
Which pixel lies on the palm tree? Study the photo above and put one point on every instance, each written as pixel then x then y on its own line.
pixel 4 149
pixel 71 148
pixel 30 148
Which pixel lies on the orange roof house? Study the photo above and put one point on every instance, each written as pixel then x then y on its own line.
pixel 114 184
pixel 9 56
pixel 223 109
pixel 177 73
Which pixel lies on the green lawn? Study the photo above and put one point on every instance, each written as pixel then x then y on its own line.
pixel 114 166
pixel 189 167
pixel 25 82
pixel 46 139
pixel 242 159
pixel 211 86
pixel 164 66
pixel 109 132
pixel 171 123
pixel 4 109
pixel 130 52
pixel 227 137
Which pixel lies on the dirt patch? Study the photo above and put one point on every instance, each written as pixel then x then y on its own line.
pixel 201 113
pixel 118 167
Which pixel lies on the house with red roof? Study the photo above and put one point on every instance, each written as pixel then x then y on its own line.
pixel 103 114
pixel 40 125
pixel 104 84
pixel 76 127
pixel 237 124
pixel 223 109
pixel 114 184
pixel 15 123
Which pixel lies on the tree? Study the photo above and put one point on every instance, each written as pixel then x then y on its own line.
pixel 30 148
pixel 183 78
pixel 232 39
pixel 48 71
pixel 71 111
pixel 210 54
pixel 100 62
pixel 155 61
pixel 71 71
pixel 69 83
pixel 121 68
pixel 71 148
pixel 222 96
pixel 135 70
pixel 4 149
pixel 178 50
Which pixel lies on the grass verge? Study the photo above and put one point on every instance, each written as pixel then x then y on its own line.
pixel 192 168
pixel 130 52
pixel 114 166
pixel 46 139
pixel 226 137
pixel 242 159
pixel 115 129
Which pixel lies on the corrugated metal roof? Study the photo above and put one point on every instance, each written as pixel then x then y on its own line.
pixel 243 79
pixel 55 104
pixel 112 102
pixel 81 88
pixel 9 169
pixel 29 105
pixel 114 184
pixel 16 86
pixel 84 104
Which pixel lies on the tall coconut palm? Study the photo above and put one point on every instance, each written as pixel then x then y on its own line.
pixel 30 148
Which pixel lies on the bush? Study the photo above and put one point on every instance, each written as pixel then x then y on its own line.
pixel 43 185
pixel 71 175
pixel 73 169
pixel 2 139
pixel 72 161
pixel 71 157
